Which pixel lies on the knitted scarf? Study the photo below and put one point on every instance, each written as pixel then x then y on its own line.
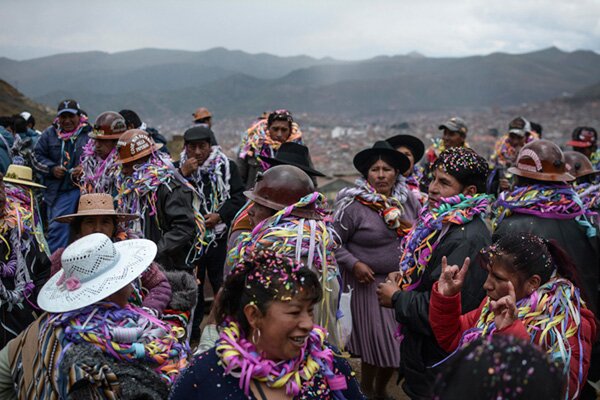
pixel 595 159
pixel 20 228
pixel 138 194
pixel 551 315
pixel 418 245
pixel 128 334
pixel 241 359
pixel 257 142
pixel 390 208
pixel 544 201
pixel 99 176
pixel 216 169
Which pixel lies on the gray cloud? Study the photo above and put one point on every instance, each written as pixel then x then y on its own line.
pixel 341 29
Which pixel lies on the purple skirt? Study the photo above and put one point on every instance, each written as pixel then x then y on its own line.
pixel 373 326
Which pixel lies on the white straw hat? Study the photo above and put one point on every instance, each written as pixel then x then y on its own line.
pixel 93 268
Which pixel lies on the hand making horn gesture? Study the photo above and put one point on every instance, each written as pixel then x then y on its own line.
pixel 452 278
pixel 505 308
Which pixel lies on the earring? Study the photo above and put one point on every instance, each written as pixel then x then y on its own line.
pixel 254 334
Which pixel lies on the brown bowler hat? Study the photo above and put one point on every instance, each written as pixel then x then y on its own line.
pixel 96 204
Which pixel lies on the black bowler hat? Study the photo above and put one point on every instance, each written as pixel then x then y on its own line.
pixel 364 159
pixel 200 132
pixel 416 146
pixel 295 154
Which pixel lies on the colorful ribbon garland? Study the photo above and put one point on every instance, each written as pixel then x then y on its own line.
pixel 391 208
pixel 241 359
pixel 257 142
pixel 126 334
pixel 544 201
pixel 99 176
pixel 418 245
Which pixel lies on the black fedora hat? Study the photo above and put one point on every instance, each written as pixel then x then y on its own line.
pixel 364 159
pixel 295 154
pixel 416 146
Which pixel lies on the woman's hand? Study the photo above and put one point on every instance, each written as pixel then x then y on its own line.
pixel 363 273
pixel 452 278
pixel 505 308
pixel 385 292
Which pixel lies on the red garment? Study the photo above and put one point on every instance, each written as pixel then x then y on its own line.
pixel 448 326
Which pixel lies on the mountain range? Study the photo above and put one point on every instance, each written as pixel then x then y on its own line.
pixel 169 84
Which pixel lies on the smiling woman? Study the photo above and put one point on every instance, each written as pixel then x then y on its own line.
pixel 269 347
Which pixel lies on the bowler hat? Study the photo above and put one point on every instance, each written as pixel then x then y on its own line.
pixel 415 145
pixel 295 154
pixel 364 159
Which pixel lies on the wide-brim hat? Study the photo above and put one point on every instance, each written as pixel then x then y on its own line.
pixel 398 160
pixel 22 175
pixel 96 204
pixel 94 268
pixel 295 154
pixel 416 145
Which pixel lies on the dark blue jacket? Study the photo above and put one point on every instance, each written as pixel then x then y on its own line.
pixel 51 151
pixel 6 142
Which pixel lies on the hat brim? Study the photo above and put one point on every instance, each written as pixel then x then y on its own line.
pixel 114 136
pixel 399 160
pixel 121 217
pixel 69 110
pixel 298 212
pixel 273 161
pixel 135 256
pixel 541 176
pixel 518 132
pixel 577 143
pixel 416 145
pixel 25 183
pixel 157 146
pixel 444 126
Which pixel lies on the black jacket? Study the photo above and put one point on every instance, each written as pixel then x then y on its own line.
pixel 419 349
pixel 173 228
pixel 571 237
pixel 236 190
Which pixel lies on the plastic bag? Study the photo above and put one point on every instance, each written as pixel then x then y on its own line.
pixel 345 319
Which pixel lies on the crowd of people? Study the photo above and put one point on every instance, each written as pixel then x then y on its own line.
pixel 465 276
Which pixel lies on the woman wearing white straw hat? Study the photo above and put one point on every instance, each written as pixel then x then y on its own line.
pixel 92 343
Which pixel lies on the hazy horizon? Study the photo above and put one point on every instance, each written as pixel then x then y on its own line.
pixel 340 29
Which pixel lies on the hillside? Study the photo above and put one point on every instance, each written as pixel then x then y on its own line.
pixel 164 86
pixel 13 102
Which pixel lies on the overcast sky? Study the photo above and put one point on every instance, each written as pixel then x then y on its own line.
pixel 345 29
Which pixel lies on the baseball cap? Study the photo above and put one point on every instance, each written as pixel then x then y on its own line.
pixel 583 136
pixel 455 124
pixel 519 126
pixel 69 105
